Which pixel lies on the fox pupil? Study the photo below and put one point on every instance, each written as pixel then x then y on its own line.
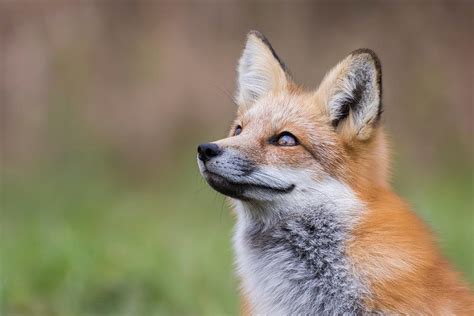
pixel 238 130
pixel 287 139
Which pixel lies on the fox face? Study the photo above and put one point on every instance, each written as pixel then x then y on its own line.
pixel 287 142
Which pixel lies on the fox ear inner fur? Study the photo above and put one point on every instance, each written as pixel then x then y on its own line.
pixel 260 70
pixel 352 91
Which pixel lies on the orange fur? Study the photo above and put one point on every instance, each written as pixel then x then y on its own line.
pixel 390 248
pixel 396 252
pixel 245 307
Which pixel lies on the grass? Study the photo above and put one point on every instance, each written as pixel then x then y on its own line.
pixel 83 243
pixel 81 240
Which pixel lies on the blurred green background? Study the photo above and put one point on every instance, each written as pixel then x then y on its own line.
pixel 103 211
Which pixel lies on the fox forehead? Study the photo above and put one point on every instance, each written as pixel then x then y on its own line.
pixel 278 111
pixel 300 113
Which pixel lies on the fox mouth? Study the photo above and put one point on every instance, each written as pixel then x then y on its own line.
pixel 237 189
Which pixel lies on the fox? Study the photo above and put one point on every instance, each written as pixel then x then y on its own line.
pixel 319 231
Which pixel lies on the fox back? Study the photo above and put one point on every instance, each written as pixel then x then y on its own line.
pixel 319 230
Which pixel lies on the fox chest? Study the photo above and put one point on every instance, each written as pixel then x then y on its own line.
pixel 298 266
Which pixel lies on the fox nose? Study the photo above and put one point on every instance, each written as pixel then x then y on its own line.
pixel 208 151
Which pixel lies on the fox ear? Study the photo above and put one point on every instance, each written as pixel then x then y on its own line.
pixel 353 94
pixel 260 70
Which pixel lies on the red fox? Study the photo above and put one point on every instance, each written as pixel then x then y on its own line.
pixel 319 230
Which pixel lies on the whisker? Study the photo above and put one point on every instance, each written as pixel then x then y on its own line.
pixel 222 208
pixel 227 94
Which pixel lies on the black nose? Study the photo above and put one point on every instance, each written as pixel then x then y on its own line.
pixel 207 151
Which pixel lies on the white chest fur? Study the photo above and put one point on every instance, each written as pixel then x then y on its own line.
pixel 291 257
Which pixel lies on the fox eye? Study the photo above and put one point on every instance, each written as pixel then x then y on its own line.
pixel 286 139
pixel 238 130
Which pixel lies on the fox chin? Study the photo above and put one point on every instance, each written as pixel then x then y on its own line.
pixel 319 229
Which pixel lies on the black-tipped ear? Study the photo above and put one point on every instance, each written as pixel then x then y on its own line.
pixel 353 93
pixel 260 70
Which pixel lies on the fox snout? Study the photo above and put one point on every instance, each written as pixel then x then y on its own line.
pixel 224 170
pixel 230 172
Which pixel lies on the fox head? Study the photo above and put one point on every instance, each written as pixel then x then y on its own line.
pixel 288 142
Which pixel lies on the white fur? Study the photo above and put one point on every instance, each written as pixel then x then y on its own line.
pixel 308 192
pixel 353 72
pixel 258 71
pixel 261 276
pixel 369 106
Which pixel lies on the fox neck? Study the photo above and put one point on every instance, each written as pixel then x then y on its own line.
pixel 331 194
pixel 299 237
